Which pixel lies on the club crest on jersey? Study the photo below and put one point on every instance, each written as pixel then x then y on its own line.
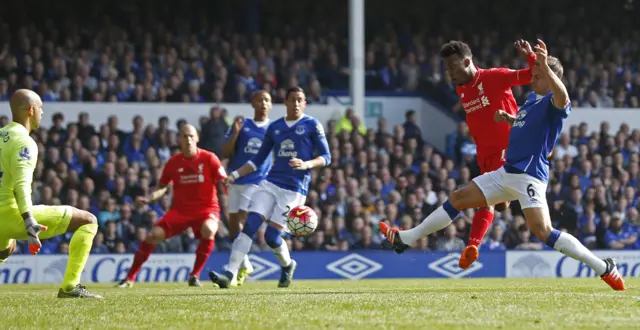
pixel 246 129
pixel 253 145
pixel 480 89
pixel 287 149
pixel 200 167
pixel 300 130
pixel 25 154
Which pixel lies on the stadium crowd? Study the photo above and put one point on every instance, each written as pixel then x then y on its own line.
pixel 388 174
pixel 138 53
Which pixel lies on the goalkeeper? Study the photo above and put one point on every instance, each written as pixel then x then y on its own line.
pixel 19 219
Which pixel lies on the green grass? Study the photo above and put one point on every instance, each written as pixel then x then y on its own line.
pixel 367 304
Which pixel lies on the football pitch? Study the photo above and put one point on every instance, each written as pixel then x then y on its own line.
pixel 365 304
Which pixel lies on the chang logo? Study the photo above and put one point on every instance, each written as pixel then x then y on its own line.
pixel 253 145
pixel 287 149
pixel 519 122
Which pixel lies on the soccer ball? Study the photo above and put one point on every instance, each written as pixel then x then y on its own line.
pixel 302 221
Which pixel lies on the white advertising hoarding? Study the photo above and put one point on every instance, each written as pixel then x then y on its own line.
pixel 545 264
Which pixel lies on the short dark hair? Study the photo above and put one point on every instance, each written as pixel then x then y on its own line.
pixel 259 92
pixel 556 66
pixel 455 47
pixel 296 89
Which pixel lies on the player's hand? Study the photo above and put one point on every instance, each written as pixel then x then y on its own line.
pixel 141 201
pixel 501 116
pixel 238 122
pixel 228 180
pixel 541 53
pixel 299 164
pixel 32 237
pixel 523 47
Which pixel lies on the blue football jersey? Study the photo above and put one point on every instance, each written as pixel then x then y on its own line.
pixel 247 146
pixel 303 139
pixel 533 135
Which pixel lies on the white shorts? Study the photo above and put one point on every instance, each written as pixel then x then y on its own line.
pixel 274 203
pixel 499 186
pixel 240 197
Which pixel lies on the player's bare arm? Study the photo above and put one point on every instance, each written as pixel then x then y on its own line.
pixel 502 116
pixel 299 164
pixel 245 169
pixel 154 195
pixel 229 145
pixel 560 94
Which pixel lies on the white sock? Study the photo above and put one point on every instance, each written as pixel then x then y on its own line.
pixel 239 250
pixel 437 220
pixel 282 253
pixel 246 264
pixel 570 246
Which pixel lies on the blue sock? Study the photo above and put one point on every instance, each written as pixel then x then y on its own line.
pixel 451 211
pixel 553 238
pixel 252 225
pixel 273 237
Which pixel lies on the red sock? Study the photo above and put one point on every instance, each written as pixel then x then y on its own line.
pixel 202 254
pixel 481 222
pixel 143 253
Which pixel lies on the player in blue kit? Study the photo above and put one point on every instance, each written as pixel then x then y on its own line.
pixel 293 140
pixel 241 144
pixel 524 176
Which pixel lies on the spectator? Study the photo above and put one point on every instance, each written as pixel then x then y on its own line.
pixel 450 242
pixel 619 235
pixel 213 131
pixel 349 122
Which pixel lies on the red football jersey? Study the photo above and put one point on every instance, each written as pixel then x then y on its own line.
pixel 194 182
pixel 488 92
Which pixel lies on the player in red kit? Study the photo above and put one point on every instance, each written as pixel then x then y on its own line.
pixel 482 93
pixel 194 173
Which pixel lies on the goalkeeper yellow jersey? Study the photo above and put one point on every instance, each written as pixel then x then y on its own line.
pixel 18 157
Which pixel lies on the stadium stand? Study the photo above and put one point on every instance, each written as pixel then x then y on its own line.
pixel 178 54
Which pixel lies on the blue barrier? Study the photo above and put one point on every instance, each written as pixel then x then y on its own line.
pixel 371 264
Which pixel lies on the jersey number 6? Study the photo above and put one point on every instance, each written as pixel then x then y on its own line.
pixel 531 191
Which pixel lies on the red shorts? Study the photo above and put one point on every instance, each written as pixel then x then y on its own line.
pixel 174 223
pixel 492 162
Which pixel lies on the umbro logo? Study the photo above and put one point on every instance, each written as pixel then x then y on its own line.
pixel 354 267
pixel 448 266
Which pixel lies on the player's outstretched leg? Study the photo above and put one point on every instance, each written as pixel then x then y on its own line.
pixel 273 237
pixel 84 226
pixel 203 251
pixel 239 250
pixel 539 222
pixel 142 254
pixel 236 223
pixel 469 196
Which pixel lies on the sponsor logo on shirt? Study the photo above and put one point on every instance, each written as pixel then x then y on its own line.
pixel 253 145
pixel 287 149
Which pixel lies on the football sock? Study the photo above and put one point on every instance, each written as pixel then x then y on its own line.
pixel 239 250
pixel 205 246
pixel 437 220
pixel 246 264
pixel 481 222
pixel 141 256
pixel 571 246
pixel 79 249
pixel 274 239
